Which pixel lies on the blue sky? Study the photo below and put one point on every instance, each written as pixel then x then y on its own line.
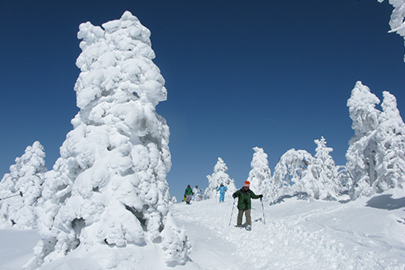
pixel 239 74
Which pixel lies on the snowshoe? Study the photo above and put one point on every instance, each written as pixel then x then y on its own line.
pixel 248 228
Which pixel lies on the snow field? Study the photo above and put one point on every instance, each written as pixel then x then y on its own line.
pixel 297 235
pixel 16 247
pixel 368 233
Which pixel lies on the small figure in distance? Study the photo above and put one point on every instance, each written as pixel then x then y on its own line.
pixel 222 190
pixel 188 193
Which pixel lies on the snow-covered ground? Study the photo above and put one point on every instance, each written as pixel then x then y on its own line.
pixel 368 233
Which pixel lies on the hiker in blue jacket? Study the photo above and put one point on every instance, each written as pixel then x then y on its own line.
pixel 222 190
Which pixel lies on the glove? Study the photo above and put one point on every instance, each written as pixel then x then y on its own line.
pixel 261 196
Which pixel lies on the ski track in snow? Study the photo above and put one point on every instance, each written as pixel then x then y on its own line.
pixel 311 239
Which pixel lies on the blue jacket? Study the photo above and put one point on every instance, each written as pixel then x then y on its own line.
pixel 222 189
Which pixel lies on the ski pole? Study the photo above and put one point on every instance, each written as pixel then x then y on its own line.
pixel 19 194
pixel 233 206
pixel 264 220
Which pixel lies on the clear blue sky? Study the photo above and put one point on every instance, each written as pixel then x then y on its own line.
pixel 239 74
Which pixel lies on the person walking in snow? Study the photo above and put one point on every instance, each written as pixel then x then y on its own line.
pixel 188 194
pixel 222 190
pixel 244 196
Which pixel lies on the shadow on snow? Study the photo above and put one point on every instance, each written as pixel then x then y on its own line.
pixel 386 202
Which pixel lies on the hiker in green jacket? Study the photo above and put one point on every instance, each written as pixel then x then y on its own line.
pixel 244 196
pixel 188 193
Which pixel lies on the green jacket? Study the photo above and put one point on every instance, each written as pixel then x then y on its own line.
pixel 188 191
pixel 244 198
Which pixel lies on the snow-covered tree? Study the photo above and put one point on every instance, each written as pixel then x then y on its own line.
pixel 217 178
pixel 260 178
pixel 326 173
pixel 299 173
pixel 109 185
pixel 23 187
pixel 361 155
pixel 375 156
pixel 391 146
pixel 289 171
pixel 397 22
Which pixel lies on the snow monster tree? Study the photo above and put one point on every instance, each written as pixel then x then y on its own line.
pixel 260 174
pixel 375 157
pixel 22 188
pixel 109 185
pixel 217 178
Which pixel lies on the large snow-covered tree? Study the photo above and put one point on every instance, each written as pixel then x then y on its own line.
pixel 219 177
pixel 299 173
pixel 260 174
pixel 109 185
pixel 362 153
pixel 375 157
pixel 390 138
pixel 22 186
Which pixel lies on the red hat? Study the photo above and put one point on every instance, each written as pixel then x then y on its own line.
pixel 247 184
